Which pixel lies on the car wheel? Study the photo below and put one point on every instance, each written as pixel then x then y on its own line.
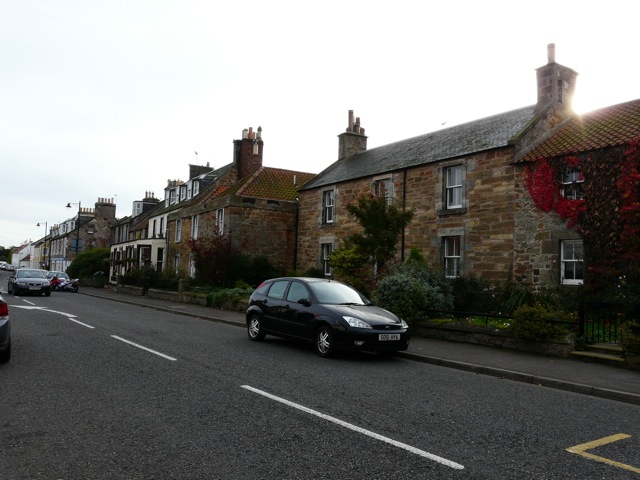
pixel 47 294
pixel 254 328
pixel 325 345
pixel 6 355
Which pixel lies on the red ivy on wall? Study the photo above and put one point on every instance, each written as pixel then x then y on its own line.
pixel 544 188
pixel 629 186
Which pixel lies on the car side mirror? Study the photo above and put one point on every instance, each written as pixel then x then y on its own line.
pixel 305 302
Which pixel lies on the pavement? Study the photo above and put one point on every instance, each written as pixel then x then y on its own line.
pixel 572 374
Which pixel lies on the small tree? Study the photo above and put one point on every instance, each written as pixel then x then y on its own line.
pixel 381 225
pixel 215 258
pixel 350 266
pixel 89 262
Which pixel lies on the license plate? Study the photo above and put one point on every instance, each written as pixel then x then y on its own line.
pixel 34 288
pixel 383 337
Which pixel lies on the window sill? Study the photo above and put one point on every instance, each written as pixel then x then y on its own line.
pixel 452 211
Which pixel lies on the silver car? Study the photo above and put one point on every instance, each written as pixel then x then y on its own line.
pixel 5 332
pixel 29 281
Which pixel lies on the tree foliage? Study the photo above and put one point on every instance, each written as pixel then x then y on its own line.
pixel 609 216
pixel 89 262
pixel 381 225
pixel 220 263
pixel 414 289
pixel 215 258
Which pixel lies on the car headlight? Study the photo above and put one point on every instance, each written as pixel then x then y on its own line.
pixel 356 322
pixel 403 324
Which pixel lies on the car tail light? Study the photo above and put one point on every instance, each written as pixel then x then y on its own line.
pixel 4 310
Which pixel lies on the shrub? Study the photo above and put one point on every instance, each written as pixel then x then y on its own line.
pixel 89 262
pixel 351 267
pixel 233 299
pixel 629 337
pixel 413 290
pixel 538 322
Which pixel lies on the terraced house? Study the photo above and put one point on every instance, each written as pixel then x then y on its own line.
pixel 255 206
pixel 470 189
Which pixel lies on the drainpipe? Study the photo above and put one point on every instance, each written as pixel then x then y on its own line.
pixel 296 236
pixel 404 208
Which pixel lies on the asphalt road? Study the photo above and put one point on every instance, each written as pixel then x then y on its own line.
pixel 101 390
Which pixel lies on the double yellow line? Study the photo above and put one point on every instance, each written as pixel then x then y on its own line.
pixel 582 450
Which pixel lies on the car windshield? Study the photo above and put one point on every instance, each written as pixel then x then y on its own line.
pixel 337 294
pixel 30 274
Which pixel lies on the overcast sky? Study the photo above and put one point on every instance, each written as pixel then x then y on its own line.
pixel 110 99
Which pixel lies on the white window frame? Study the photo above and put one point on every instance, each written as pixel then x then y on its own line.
pixel 220 220
pixel 569 258
pixel 453 191
pixel 192 265
pixel 178 236
pixel 325 253
pixel 451 247
pixel 194 227
pixel 572 184
pixel 328 206
pixel 383 188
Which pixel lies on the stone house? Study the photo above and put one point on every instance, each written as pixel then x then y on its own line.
pixel 255 206
pixel 89 228
pixel 465 185
pixel 577 178
pixel 131 243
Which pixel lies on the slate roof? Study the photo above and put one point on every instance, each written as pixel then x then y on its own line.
pixel 607 127
pixel 479 135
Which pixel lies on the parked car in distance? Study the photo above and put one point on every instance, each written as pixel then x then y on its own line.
pixel 5 332
pixel 29 280
pixel 330 314
pixel 60 275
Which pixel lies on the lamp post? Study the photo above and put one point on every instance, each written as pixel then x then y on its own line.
pixel 77 226
pixel 47 265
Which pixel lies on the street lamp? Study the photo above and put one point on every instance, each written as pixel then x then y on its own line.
pixel 77 226
pixel 46 264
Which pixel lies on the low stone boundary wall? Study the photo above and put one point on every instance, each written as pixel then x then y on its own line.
pixel 558 347
pixel 184 297
pixel 129 290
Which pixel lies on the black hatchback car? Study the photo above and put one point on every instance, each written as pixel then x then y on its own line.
pixel 328 313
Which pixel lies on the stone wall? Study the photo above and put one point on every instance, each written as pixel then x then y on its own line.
pixel 537 237
pixel 558 347
pixel 486 223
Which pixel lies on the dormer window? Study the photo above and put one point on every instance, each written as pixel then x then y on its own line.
pixel 183 192
pixel 196 187
pixel 172 197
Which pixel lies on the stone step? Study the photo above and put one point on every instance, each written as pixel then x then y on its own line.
pixel 599 357
pixel 606 348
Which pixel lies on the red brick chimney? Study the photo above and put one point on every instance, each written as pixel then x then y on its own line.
pixel 353 140
pixel 247 152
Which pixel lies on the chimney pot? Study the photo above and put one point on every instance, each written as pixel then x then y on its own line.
pixel 551 53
